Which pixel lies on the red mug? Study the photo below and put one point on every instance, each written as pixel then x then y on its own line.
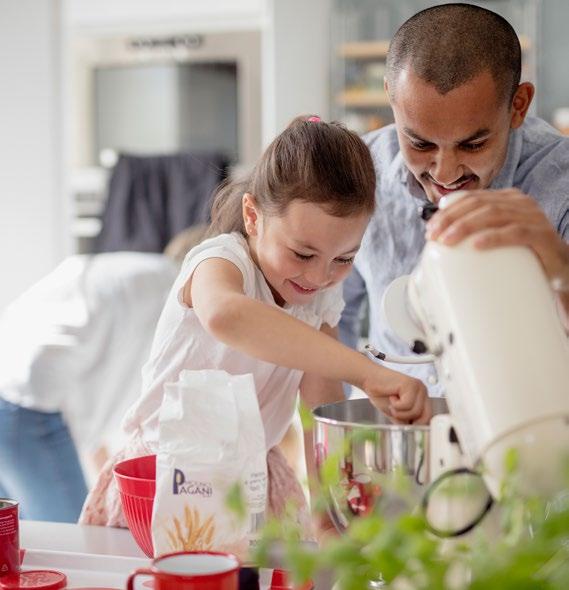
pixel 9 537
pixel 192 570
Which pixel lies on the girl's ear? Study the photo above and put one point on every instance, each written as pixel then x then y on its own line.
pixel 250 214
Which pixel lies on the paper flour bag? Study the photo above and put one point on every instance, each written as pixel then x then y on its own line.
pixel 211 436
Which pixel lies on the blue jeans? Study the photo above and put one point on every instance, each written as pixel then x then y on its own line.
pixel 39 465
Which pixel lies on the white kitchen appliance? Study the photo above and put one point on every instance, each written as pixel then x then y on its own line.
pixel 488 320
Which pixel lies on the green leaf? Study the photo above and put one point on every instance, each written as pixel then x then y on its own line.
pixel 306 417
pixel 531 550
pixel 329 471
pixel 365 529
pixel 363 435
pixel 303 563
pixel 511 461
pixel 235 501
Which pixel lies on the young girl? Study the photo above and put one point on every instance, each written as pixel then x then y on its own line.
pixel 264 296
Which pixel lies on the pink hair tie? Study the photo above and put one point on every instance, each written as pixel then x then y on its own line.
pixel 314 119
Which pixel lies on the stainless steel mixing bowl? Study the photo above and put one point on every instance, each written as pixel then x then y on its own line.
pixel 368 452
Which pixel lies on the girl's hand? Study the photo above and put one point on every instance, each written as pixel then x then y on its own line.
pixel 403 398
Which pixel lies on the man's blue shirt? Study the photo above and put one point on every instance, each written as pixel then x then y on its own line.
pixel 537 163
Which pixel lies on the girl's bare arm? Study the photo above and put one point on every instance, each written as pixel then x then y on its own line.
pixel 215 291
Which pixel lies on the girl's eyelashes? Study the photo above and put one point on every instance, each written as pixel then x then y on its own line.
pixel 306 257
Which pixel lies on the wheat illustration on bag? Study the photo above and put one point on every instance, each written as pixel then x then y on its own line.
pixel 191 535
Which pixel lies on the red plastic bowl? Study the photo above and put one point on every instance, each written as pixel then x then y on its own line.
pixel 136 480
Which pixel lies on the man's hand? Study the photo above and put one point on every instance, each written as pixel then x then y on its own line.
pixel 504 218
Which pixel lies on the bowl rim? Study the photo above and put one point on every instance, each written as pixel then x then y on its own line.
pixel 371 426
pixel 118 465
pixel 132 477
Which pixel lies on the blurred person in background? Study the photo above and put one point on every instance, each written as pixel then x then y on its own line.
pixel 71 349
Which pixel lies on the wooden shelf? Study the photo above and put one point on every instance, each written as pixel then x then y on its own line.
pixel 363 49
pixel 363 98
pixel 378 49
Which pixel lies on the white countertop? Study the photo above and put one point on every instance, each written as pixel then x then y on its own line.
pixel 75 538
pixel 92 540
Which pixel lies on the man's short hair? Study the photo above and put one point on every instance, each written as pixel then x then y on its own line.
pixel 449 44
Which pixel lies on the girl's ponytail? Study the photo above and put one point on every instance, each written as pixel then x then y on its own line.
pixel 226 210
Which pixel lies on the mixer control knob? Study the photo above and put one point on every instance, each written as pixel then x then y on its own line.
pixel 427 210
pixel 419 347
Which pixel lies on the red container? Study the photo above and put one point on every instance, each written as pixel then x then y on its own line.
pixel 192 570
pixel 136 480
pixel 280 581
pixel 9 537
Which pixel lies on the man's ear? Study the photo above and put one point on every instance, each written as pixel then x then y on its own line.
pixel 520 103
pixel 251 215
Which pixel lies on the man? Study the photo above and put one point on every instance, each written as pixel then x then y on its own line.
pixel 453 80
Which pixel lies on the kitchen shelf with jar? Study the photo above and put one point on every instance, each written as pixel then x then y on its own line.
pixel 363 103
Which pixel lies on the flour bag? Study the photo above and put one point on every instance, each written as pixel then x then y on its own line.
pixel 210 438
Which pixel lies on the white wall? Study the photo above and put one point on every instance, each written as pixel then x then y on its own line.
pixel 296 62
pixel 154 15
pixel 32 236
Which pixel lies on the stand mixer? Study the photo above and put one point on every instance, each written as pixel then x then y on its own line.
pixel 489 319
pixel 489 322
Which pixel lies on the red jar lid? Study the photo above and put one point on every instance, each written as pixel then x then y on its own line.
pixel 280 581
pixel 35 580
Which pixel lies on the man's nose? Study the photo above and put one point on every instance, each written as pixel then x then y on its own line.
pixel 446 167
